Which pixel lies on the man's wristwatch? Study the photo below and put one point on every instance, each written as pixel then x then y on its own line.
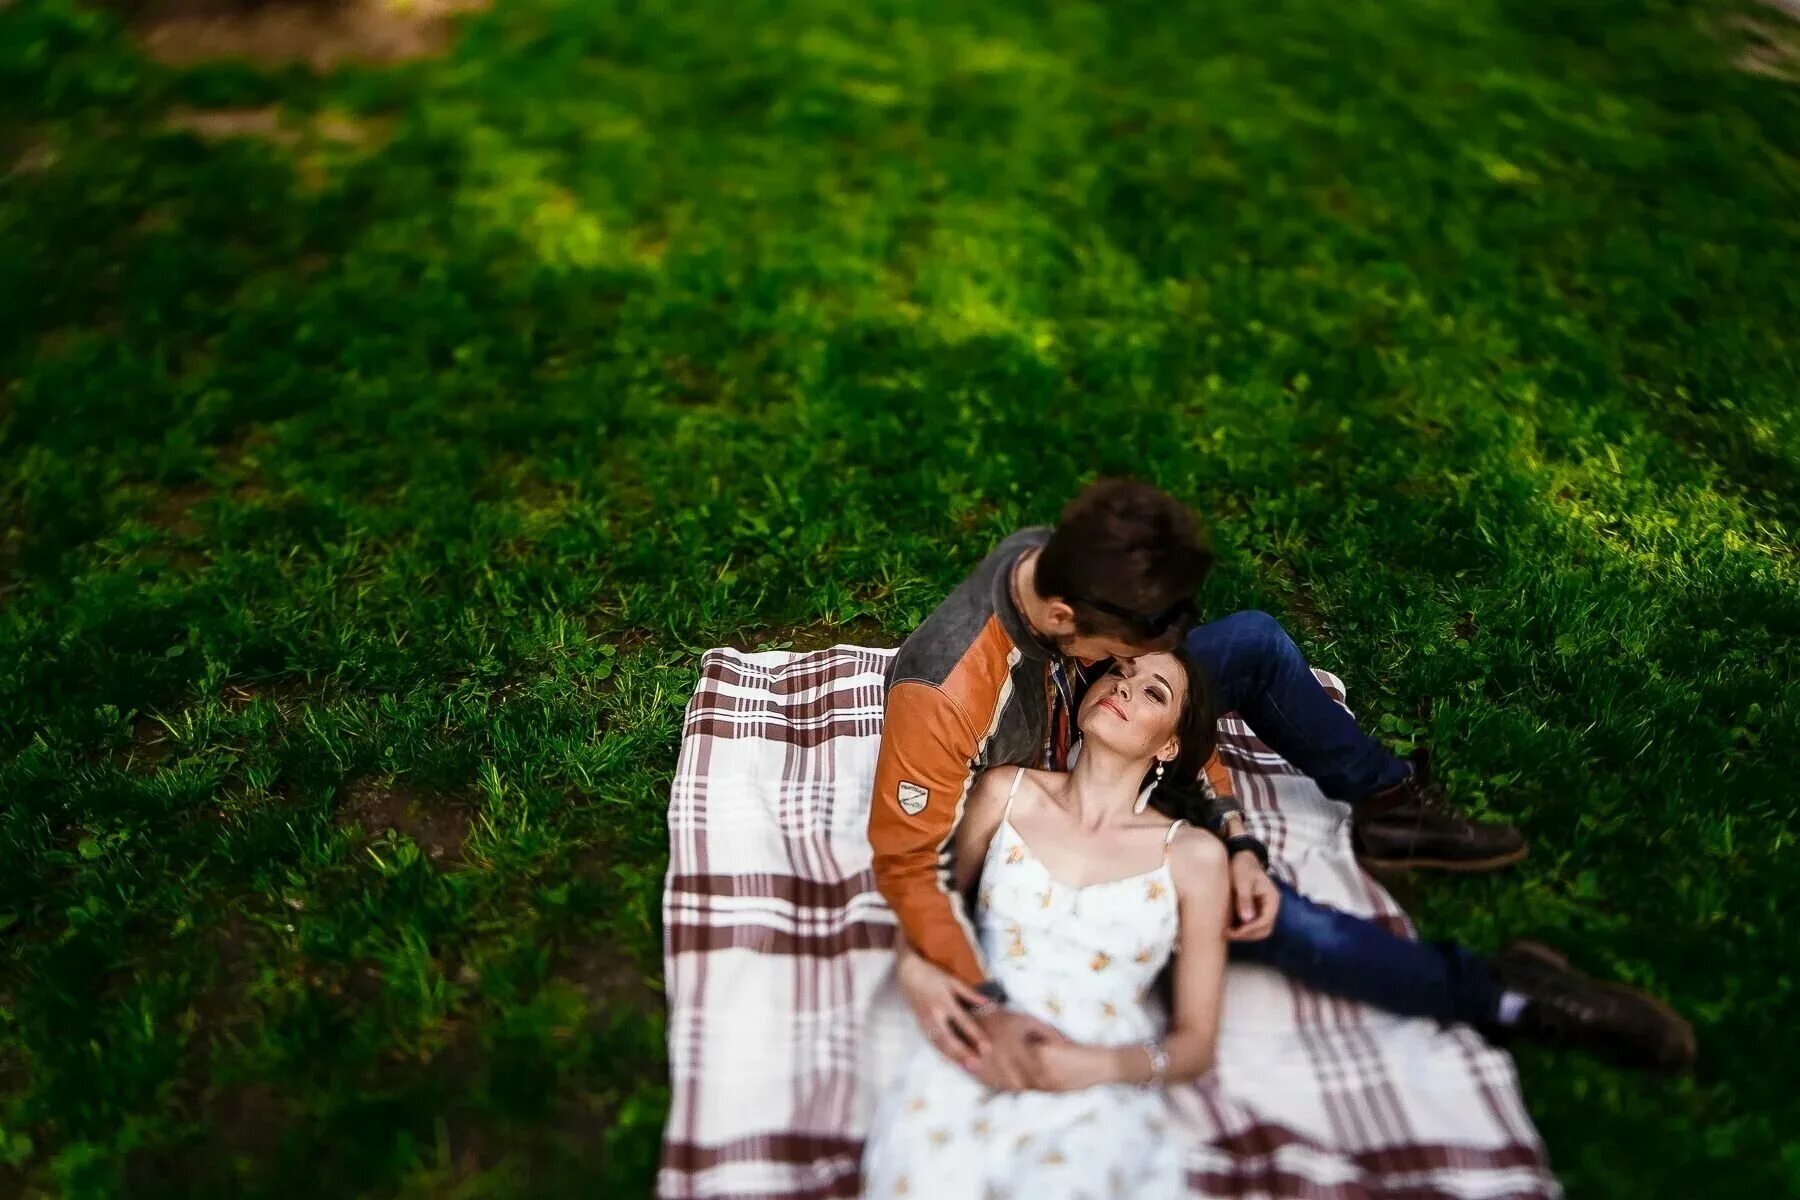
pixel 993 994
pixel 1244 841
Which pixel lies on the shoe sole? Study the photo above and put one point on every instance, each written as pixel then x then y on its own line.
pixel 1540 952
pixel 1467 866
pixel 1690 1045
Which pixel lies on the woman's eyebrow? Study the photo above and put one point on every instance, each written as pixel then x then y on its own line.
pixel 1161 680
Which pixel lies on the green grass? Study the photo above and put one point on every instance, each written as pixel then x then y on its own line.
pixel 355 498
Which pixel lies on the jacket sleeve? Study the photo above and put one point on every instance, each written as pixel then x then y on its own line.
pixel 1217 782
pixel 922 777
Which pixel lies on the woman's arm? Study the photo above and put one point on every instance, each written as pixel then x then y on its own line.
pixel 1203 888
pixel 980 820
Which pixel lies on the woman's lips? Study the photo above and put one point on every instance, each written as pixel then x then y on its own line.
pixel 1110 703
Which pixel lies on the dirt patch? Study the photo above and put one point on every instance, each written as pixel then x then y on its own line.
pixel 438 825
pixel 606 974
pixel 862 631
pixel 347 130
pixel 458 1069
pixel 248 1119
pixel 173 511
pixel 155 219
pixel 242 454
pixel 150 743
pixel 1770 45
pixel 691 382
pixel 148 748
pixel 322 35
pixel 219 1005
pixel 284 694
pixel 1301 603
pixel 36 157
pixel 217 124
pixel 608 977
pixel 12 542
pixel 625 642
pixel 244 446
pixel 231 945
pixel 322 144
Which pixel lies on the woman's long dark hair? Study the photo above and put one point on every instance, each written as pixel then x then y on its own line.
pixel 1185 791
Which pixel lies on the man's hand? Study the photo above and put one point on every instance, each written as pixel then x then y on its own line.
pixel 1254 899
pixel 1007 1065
pixel 940 1002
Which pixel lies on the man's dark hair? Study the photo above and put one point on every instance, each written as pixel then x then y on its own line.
pixel 1127 558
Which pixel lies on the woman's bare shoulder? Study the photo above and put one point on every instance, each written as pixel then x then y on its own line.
pixel 993 786
pixel 996 783
pixel 1197 858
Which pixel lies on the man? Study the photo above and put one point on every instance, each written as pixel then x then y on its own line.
pixel 994 677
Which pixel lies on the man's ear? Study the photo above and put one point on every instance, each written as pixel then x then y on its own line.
pixel 1059 619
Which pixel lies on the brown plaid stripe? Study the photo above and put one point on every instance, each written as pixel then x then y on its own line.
pixel 782 1019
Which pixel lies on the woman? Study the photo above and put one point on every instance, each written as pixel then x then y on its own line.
pixel 1079 944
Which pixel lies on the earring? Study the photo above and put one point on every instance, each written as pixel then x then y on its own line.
pixel 1143 800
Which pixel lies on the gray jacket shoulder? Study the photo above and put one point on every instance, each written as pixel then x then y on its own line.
pixel 944 637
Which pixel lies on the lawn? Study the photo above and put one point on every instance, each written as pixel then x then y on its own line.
pixel 379 447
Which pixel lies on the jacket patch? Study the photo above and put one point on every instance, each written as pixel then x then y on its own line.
pixel 912 798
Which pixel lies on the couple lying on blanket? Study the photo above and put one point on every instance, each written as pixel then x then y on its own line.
pixel 1055 831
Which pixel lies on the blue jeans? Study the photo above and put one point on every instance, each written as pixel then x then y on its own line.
pixel 1334 952
pixel 1257 670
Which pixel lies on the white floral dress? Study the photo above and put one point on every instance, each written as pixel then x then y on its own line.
pixel 1081 959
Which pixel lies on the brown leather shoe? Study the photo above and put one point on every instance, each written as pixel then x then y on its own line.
pixel 1565 1007
pixel 1412 825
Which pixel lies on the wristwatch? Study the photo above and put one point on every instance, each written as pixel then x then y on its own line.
pixel 1244 841
pixel 993 994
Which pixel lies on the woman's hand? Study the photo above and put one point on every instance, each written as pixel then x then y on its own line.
pixel 1070 1066
pixel 1254 899
pixel 940 1002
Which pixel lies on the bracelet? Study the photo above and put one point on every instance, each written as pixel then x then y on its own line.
pixel 1244 841
pixel 1159 1061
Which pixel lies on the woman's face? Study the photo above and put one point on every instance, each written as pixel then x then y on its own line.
pixel 1135 708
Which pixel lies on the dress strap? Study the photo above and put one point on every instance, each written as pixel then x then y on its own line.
pixel 1006 814
pixel 1170 836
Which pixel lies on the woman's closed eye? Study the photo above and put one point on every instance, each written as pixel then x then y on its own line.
pixel 1154 691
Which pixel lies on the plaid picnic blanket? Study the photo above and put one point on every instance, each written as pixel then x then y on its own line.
pixel 784 1025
